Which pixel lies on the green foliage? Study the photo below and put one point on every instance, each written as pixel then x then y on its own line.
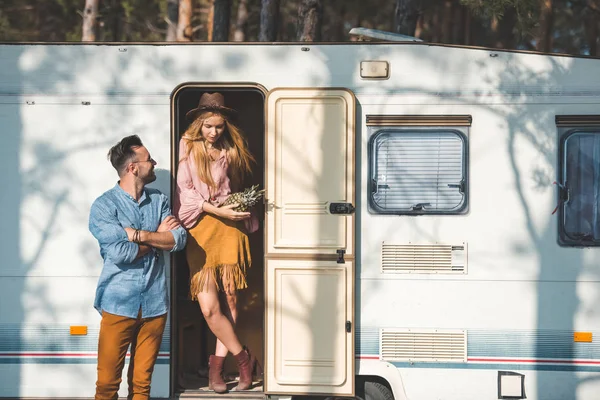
pixel 489 8
pixel 39 20
pixel 5 30
pixel 4 24
pixel 494 23
pixel 526 11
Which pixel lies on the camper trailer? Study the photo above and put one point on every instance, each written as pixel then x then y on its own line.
pixel 429 230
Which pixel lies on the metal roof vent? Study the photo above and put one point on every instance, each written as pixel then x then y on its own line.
pixel 377 35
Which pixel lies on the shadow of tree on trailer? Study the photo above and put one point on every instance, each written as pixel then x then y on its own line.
pixel 48 199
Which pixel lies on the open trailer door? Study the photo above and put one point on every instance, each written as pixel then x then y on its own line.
pixel 310 242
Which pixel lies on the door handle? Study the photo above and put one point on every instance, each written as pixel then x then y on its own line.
pixel 270 206
pixel 341 208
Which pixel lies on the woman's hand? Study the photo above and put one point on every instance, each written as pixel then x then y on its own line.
pixel 228 212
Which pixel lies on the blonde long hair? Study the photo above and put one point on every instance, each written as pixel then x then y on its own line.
pixel 232 140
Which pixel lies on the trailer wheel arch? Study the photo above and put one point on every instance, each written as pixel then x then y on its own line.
pixel 382 373
pixel 373 388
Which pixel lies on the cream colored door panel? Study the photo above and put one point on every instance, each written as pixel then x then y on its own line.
pixel 310 164
pixel 309 301
pixel 308 305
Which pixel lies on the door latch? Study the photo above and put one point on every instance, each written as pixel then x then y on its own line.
pixel 348 326
pixel 341 208
pixel 340 253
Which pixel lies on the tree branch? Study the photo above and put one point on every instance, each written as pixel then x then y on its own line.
pixel 154 29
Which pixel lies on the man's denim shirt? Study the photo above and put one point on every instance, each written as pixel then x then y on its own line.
pixel 127 284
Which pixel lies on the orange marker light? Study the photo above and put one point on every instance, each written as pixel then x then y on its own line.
pixel 582 337
pixel 78 330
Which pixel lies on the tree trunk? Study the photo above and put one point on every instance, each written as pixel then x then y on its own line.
pixel 172 19
pixel 184 22
pixel 544 39
pixel 457 25
pixel 90 21
pixel 467 27
pixel 269 16
pixel 220 31
pixel 506 36
pixel 310 20
pixel 447 16
pixel 494 31
pixel 406 14
pixel 591 32
pixel 239 35
pixel 420 27
pixel 210 19
pixel 118 25
pixel 436 24
pixel 334 30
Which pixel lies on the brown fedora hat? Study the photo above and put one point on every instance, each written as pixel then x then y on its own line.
pixel 214 102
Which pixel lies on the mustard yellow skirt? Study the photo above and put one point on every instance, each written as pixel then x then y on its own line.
pixel 217 249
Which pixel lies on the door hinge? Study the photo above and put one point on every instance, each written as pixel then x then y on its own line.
pixel 348 326
pixel 340 253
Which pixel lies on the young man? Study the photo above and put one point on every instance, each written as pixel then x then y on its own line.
pixel 133 225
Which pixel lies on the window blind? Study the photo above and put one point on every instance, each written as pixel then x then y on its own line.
pixel 418 171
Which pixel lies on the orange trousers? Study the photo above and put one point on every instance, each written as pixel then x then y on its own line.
pixel 116 334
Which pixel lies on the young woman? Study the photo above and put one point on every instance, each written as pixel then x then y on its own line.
pixel 213 160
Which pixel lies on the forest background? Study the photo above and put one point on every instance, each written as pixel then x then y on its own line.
pixel 557 26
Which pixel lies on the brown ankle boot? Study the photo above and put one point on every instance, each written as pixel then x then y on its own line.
pixel 246 363
pixel 215 374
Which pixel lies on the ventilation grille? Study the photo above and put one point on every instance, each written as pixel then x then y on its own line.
pixel 424 258
pixel 423 345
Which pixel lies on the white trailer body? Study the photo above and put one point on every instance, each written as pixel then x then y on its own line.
pixel 468 288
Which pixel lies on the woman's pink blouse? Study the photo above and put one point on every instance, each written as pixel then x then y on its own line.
pixel 192 193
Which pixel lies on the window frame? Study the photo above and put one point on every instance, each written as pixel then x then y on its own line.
pixel 375 131
pixel 563 195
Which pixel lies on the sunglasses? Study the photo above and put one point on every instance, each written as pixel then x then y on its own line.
pixel 151 160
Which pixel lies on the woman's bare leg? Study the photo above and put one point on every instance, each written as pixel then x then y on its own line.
pixel 229 309
pixel 228 301
pixel 218 322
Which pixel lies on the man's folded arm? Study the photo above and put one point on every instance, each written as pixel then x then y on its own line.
pixel 179 234
pixel 173 240
pixel 111 236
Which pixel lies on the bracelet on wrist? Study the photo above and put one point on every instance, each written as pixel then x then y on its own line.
pixel 136 236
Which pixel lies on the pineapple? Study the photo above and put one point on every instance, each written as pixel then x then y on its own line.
pixel 245 199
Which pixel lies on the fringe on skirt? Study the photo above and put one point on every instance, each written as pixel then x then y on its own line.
pixel 217 250
pixel 231 275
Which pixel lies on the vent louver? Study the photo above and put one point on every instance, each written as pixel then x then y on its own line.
pixel 432 345
pixel 424 258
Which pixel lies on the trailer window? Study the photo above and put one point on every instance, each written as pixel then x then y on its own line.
pixel 417 171
pixel 579 188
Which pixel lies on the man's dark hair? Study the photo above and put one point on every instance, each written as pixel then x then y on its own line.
pixel 121 153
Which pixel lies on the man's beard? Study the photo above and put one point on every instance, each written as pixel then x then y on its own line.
pixel 151 177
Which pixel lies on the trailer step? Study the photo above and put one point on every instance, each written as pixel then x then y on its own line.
pixel 210 395
pixel 213 396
